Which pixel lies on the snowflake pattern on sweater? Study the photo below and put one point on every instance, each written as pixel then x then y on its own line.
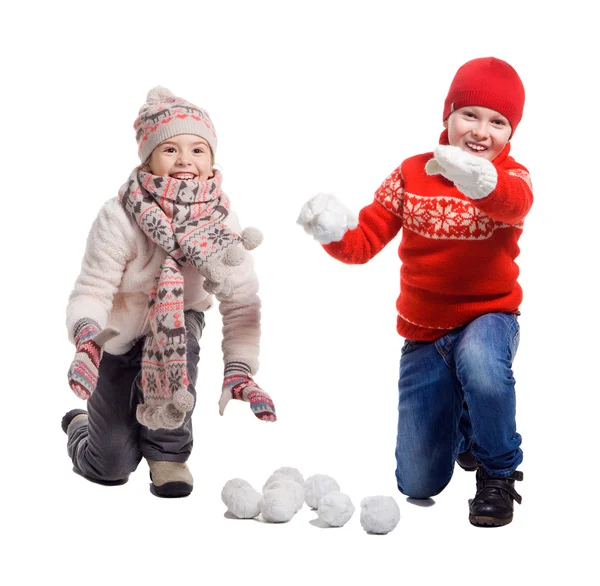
pixel 447 218
pixel 443 217
pixel 457 255
pixel 391 193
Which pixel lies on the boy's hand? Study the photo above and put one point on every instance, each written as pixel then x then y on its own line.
pixel 326 218
pixel 83 372
pixel 241 386
pixel 475 176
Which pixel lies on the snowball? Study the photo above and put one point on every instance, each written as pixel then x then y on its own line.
pixel 379 514
pixel 335 509
pixel 230 486
pixel 275 477
pixel 284 483
pixel 278 505
pixel 245 502
pixel 292 473
pixel 318 486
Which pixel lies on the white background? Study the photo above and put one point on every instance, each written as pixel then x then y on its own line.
pixel 305 97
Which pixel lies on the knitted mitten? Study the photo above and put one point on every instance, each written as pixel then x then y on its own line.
pixel 238 384
pixel 89 339
pixel 474 176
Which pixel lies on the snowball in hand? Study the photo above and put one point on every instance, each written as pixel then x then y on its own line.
pixel 278 505
pixel 379 514
pixel 335 509
pixel 318 486
pixel 287 484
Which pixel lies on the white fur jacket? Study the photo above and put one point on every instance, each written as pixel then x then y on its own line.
pixel 118 271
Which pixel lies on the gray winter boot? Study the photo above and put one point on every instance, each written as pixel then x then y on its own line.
pixel 170 479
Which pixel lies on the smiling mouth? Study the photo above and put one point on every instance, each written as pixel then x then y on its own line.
pixel 476 147
pixel 183 176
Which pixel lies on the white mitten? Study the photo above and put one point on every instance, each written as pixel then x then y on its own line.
pixel 475 176
pixel 326 218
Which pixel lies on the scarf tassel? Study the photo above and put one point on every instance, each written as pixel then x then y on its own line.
pixel 168 416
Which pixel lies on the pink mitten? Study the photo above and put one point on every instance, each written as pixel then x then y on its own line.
pixel 83 372
pixel 241 386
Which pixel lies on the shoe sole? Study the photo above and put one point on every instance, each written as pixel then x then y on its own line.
pixel 467 468
pixel 479 521
pixel 171 490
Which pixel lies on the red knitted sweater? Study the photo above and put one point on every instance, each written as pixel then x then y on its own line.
pixel 458 254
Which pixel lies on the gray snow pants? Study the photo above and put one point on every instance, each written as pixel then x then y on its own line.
pixel 110 444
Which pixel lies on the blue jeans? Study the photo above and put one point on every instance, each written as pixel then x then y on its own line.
pixel 455 394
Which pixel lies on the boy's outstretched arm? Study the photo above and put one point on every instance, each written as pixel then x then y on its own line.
pixel 502 191
pixel 352 240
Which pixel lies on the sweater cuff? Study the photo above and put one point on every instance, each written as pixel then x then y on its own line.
pixel 232 368
pixel 84 329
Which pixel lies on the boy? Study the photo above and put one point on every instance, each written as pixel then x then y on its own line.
pixel 462 210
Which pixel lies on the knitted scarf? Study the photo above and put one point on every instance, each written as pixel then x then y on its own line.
pixel 186 219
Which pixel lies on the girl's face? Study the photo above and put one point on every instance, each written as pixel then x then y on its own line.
pixel 184 157
pixel 479 131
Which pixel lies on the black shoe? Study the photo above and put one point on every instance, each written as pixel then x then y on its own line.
pixel 493 502
pixel 467 461
pixel 69 416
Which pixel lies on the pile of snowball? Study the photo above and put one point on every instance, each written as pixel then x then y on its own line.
pixel 285 492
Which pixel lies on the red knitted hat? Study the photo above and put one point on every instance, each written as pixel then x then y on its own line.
pixel 490 83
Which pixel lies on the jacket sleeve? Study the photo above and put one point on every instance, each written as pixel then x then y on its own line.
pixel 241 313
pixel 512 198
pixel 106 255
pixel 378 223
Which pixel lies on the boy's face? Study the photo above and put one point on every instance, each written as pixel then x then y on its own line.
pixel 478 130
pixel 184 157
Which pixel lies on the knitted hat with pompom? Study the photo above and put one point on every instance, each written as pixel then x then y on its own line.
pixel 164 115
pixel 490 83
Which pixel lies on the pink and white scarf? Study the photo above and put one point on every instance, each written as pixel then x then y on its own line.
pixel 187 220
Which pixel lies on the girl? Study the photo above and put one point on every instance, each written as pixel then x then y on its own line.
pixel 155 256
